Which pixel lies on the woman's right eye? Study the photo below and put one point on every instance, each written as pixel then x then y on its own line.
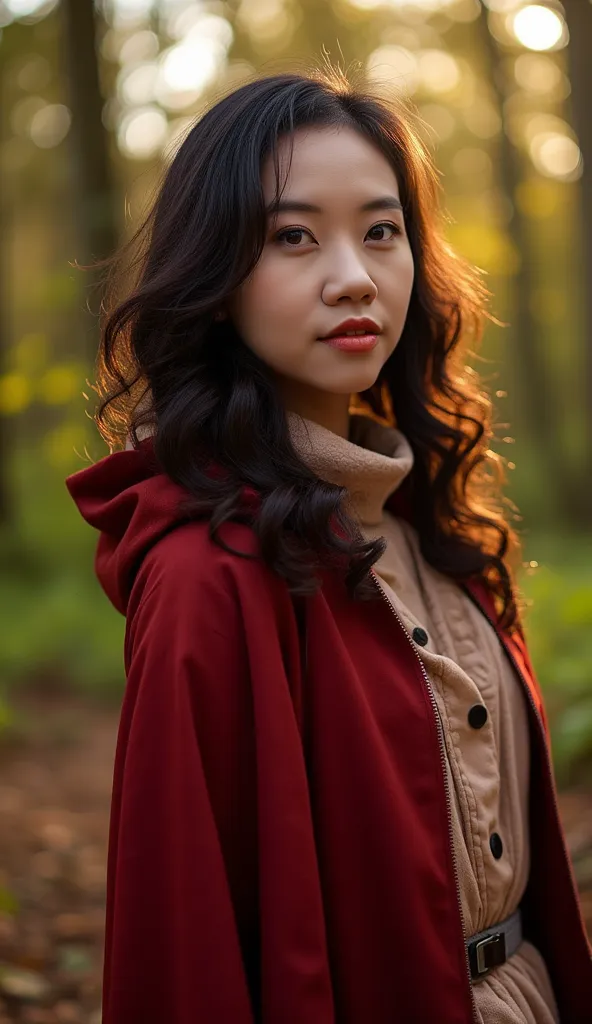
pixel 287 235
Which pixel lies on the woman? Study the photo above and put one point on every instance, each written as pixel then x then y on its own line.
pixel 333 799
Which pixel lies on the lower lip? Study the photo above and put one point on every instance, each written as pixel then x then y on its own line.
pixel 352 343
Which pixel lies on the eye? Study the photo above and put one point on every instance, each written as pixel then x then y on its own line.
pixel 287 236
pixel 396 230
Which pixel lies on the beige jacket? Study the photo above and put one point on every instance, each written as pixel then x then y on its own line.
pixel 487 762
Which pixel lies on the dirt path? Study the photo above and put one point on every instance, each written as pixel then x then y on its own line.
pixel 55 787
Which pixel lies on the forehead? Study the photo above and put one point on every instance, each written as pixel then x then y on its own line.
pixel 330 164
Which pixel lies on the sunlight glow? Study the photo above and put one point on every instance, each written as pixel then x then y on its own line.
pixel 539 28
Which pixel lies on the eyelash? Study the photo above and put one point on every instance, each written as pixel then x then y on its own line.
pixel 383 223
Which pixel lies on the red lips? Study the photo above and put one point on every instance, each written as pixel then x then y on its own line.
pixel 354 324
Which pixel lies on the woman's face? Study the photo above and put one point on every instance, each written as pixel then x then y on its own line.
pixel 333 260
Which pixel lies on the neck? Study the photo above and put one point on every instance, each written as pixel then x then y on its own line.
pixel 328 410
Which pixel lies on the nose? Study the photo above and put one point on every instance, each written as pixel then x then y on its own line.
pixel 348 279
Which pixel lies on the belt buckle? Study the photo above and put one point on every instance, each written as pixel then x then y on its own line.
pixel 487 953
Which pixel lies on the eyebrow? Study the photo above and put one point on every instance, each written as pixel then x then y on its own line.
pixel 296 206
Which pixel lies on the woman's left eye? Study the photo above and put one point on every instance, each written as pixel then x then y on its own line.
pixel 396 230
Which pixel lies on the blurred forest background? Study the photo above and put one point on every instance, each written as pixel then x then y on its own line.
pixel 94 99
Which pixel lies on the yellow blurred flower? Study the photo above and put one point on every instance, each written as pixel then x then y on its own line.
pixel 61 384
pixel 15 394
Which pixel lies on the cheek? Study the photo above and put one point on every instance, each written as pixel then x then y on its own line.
pixel 403 277
pixel 269 299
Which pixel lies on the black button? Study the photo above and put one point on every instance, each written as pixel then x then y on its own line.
pixel 477 716
pixel 496 846
pixel 420 636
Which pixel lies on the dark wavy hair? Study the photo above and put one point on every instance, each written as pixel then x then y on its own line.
pixel 164 359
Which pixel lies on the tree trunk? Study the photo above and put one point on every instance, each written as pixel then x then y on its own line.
pixel 536 390
pixel 6 512
pixel 579 19
pixel 92 179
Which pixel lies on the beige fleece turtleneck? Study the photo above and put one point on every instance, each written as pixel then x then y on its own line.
pixel 487 763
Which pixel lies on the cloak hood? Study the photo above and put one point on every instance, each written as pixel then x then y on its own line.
pixel 132 503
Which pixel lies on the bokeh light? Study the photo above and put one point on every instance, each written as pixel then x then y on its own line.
pixel 556 156
pixel 142 45
pixel 502 6
pixel 130 11
pixel 136 85
pixel 537 73
pixel 473 163
pixel 34 73
pixel 482 118
pixel 23 113
pixel 266 22
pixel 394 66
pixel 439 71
pixel 50 125
pixel 539 28
pixel 29 8
pixel 185 70
pixel 143 132
pixel 188 66
pixel 367 5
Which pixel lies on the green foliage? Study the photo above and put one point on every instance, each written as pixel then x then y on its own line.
pixel 8 902
pixel 559 629
pixel 61 629
pixel 57 624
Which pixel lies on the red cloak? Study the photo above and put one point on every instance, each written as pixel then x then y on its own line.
pixel 279 848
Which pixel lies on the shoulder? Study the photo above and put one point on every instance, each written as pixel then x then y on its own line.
pixel 187 575
pixel 188 555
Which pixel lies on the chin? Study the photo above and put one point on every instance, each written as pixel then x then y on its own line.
pixel 354 382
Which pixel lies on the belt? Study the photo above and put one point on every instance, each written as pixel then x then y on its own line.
pixel 492 947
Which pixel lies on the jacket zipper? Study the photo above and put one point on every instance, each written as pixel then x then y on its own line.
pixel 440 729
pixel 542 729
